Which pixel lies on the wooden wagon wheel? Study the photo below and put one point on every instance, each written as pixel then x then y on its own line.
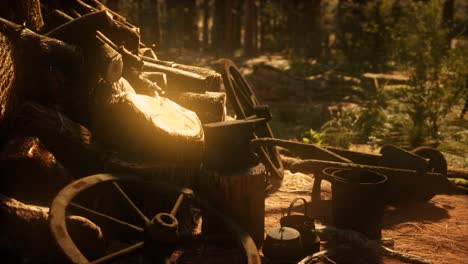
pixel 436 163
pixel 162 229
pixel 247 106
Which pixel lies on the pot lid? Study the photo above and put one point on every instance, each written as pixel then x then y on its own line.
pixel 283 233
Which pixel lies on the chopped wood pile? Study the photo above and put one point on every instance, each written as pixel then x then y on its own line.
pixel 81 94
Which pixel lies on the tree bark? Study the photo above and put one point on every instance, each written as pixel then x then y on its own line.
pixel 23 11
pixel 30 59
pixel 219 26
pixel 206 29
pixel 250 38
pixel 30 172
pixel 82 156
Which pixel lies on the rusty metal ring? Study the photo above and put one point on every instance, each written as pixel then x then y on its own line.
pixel 57 219
pixel 245 103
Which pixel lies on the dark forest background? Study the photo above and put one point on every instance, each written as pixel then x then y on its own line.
pixel 391 71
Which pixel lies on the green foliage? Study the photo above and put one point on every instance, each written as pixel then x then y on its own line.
pixel 313 136
pixel 340 129
pixel 437 73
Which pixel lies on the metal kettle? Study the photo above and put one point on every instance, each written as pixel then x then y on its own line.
pixel 282 244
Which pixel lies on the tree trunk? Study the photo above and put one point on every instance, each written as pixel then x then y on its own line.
pixel 156 29
pixel 228 30
pixel 219 26
pixel 250 38
pixel 314 32
pixel 206 26
pixel 237 24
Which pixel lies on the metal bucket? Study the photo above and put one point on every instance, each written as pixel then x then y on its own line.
pixel 357 199
pixel 305 225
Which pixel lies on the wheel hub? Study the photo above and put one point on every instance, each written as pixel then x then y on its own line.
pixel 163 229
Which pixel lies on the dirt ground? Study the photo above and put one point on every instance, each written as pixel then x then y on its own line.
pixel 436 231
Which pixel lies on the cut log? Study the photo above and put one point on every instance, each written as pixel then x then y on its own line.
pixel 29 172
pixel 210 106
pixel 198 70
pixel 157 77
pixel 240 195
pixel 109 63
pixel 23 11
pixel 25 232
pixel 29 59
pixel 83 155
pixel 141 84
pixel 147 128
pixel 103 21
pixel 179 80
pixel 56 131
pixel 101 56
pixel 55 18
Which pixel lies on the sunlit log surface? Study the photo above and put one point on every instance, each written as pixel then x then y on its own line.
pixel 147 128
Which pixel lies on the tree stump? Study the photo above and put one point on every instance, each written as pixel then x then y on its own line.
pixel 240 194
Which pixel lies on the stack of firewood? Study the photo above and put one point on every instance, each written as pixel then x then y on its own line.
pixel 81 94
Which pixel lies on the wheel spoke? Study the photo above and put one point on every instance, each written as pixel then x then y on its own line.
pixel 179 201
pixel 110 218
pixel 184 192
pixel 137 210
pixel 119 253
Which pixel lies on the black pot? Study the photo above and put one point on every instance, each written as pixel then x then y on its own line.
pixel 357 199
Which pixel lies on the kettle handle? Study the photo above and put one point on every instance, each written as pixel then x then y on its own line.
pixel 294 201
